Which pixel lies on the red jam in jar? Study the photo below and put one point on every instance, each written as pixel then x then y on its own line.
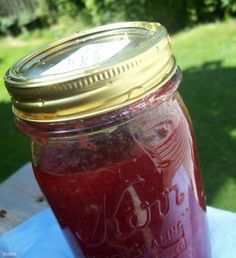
pixel 113 147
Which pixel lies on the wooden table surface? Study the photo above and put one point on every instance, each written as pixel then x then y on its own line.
pixel 20 198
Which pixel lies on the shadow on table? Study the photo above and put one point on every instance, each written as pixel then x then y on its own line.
pixel 209 92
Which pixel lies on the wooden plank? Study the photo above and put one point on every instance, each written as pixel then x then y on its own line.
pixel 20 198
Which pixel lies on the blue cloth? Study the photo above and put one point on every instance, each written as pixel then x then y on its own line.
pixel 41 237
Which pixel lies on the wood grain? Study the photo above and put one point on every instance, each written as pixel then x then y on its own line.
pixel 20 198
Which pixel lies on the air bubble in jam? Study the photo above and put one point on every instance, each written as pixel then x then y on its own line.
pixel 163 130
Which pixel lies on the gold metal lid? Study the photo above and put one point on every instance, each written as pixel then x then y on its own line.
pixel 91 73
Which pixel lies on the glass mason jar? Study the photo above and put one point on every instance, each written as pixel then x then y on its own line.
pixel 113 147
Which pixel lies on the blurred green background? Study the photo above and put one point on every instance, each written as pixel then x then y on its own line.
pixel 203 34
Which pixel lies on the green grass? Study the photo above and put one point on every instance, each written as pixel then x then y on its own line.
pixel 15 149
pixel 207 56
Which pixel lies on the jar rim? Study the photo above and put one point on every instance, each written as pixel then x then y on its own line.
pixel 104 122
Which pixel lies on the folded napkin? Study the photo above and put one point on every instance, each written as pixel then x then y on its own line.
pixel 41 237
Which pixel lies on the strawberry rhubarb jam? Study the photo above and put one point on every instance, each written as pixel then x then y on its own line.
pixel 113 148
